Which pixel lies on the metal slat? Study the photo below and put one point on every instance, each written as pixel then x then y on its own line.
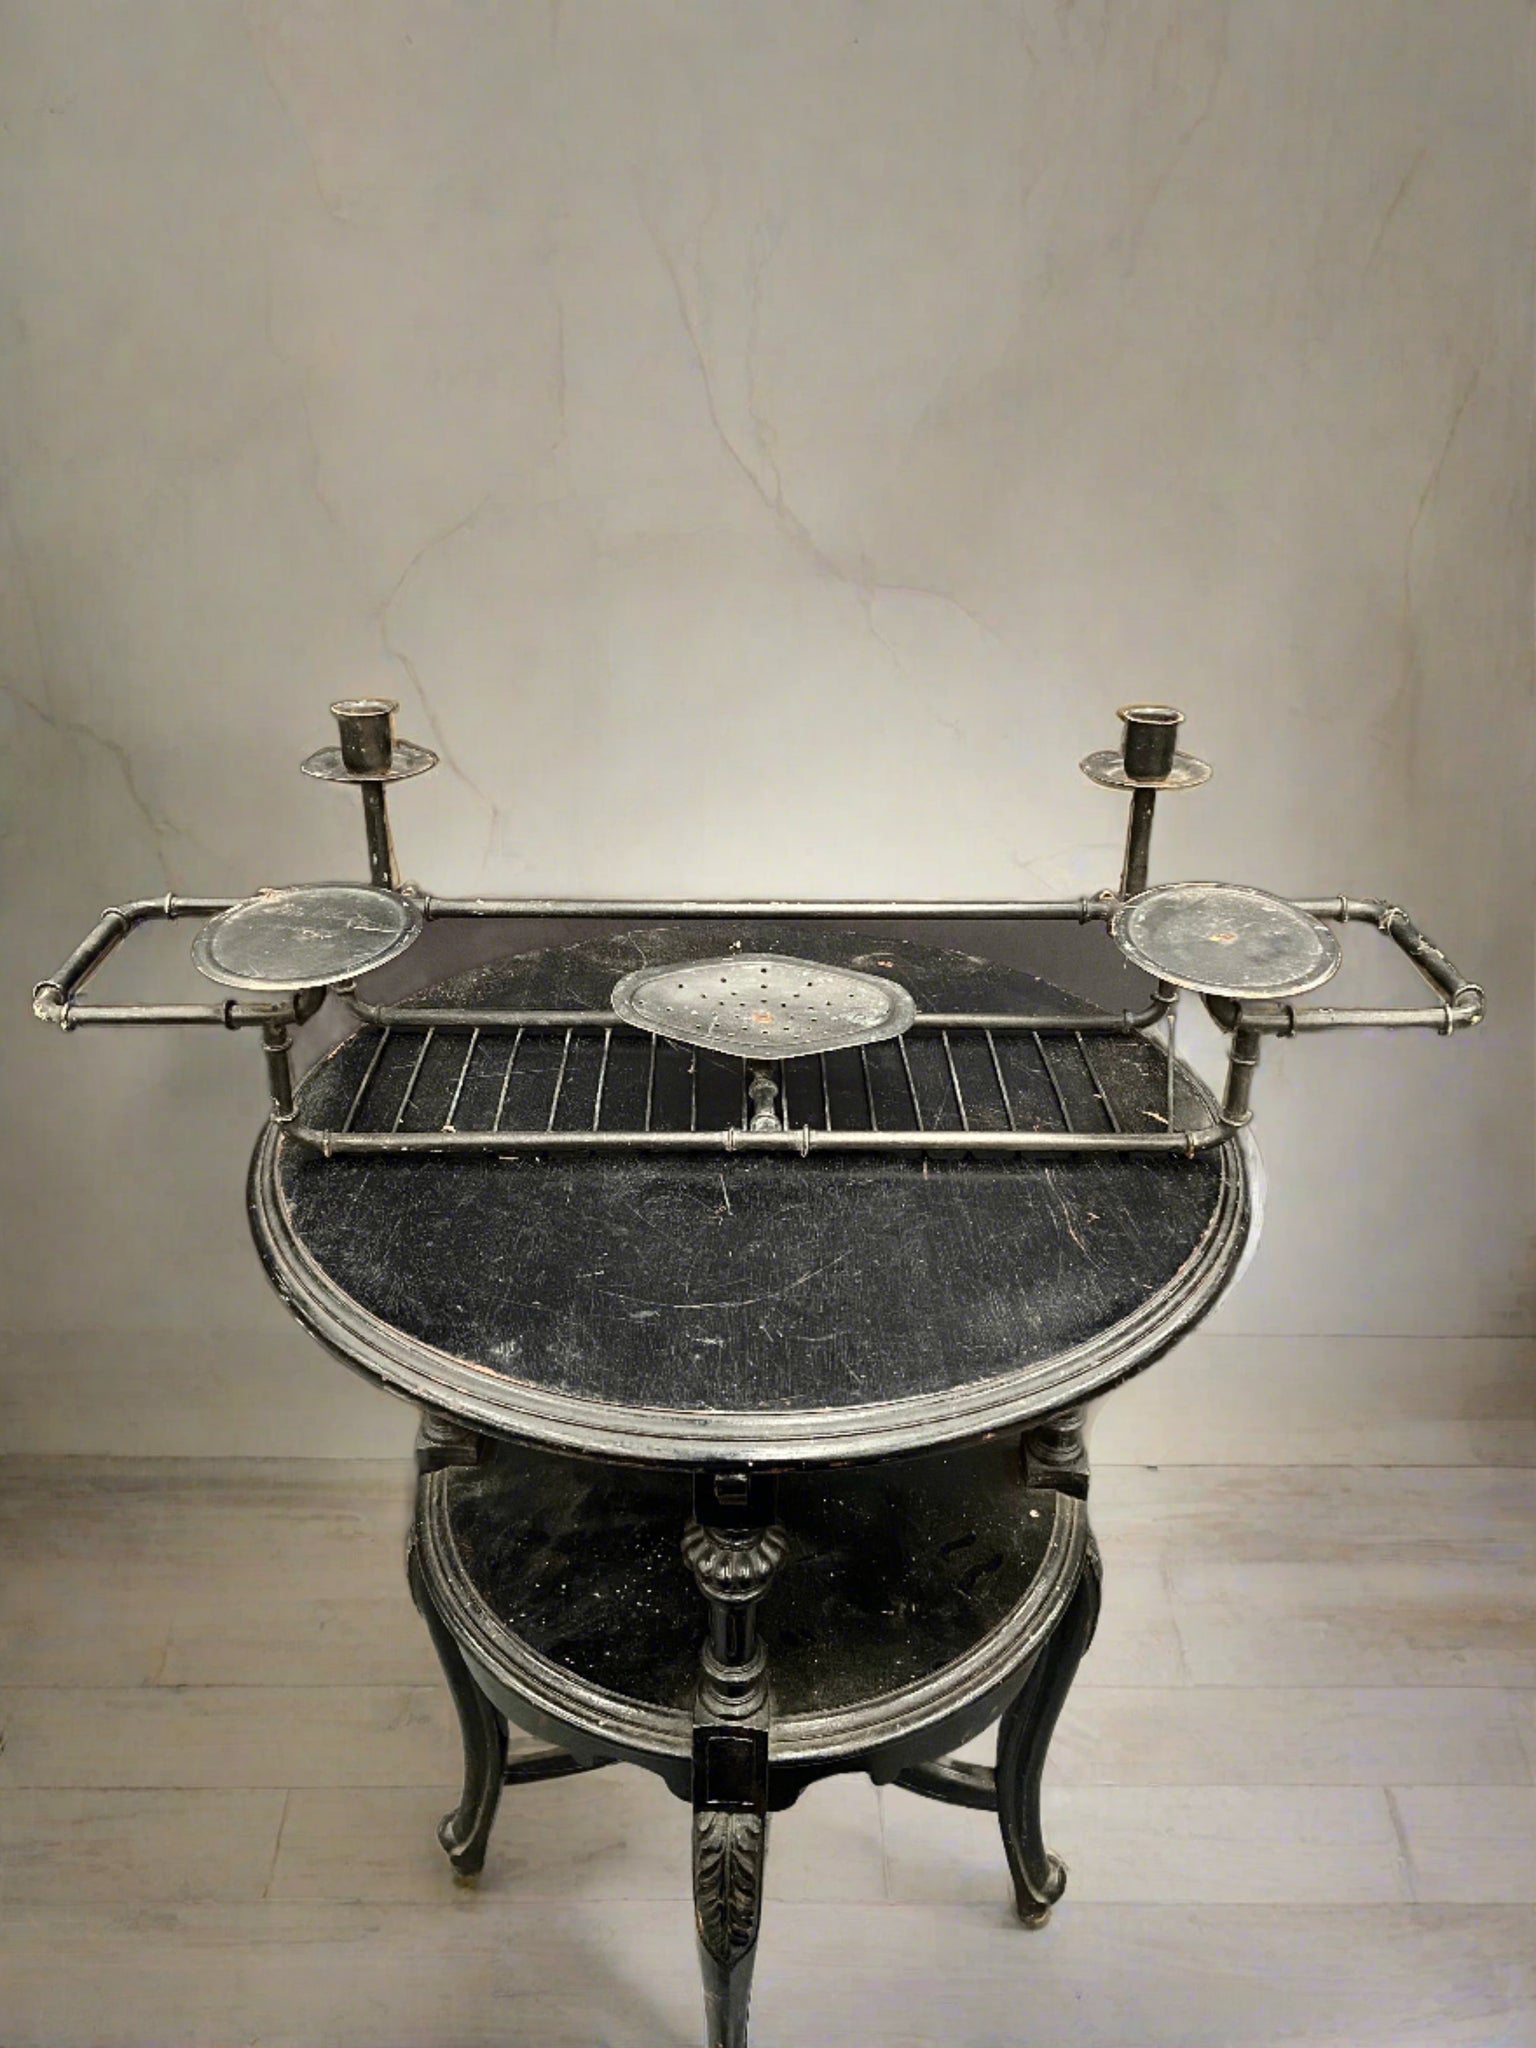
pixel 506 1080
pixel 602 1082
pixel 954 1082
pixel 869 1092
pixel 410 1086
pixel 1050 1074
pixel 565 1060
pixel 1098 1086
pixel 458 1086
pixel 906 1068
pixel 373 1068
pixel 997 1069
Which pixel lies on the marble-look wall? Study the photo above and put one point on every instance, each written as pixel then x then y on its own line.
pixel 760 445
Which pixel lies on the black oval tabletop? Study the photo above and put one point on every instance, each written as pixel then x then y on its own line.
pixel 689 1308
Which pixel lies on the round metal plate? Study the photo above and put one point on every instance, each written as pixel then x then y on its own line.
pixel 1223 939
pixel 763 1006
pixel 1108 770
pixel 407 760
pixel 306 937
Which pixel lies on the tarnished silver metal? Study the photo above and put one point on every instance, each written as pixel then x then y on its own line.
pixel 763 1005
pixel 1224 939
pixel 1148 756
pixel 1107 768
pixel 794 909
pixel 306 937
pixel 370 758
pixel 407 759
pixel 466 1018
pixel 1246 952
pixel 1147 761
pixel 1150 739
pixel 369 750
pixel 367 727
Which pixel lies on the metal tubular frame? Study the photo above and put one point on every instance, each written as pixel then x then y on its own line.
pixel 1147 763
pixel 57 1001
pixel 53 1000
pixel 1082 909
pixel 1463 1002
pixel 802 1141
pixel 424 1015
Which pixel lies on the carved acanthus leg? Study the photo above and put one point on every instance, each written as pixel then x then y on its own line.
pixel 729 1850
pixel 1023 1738
pixel 733 1550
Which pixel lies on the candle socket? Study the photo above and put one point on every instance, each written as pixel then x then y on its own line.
pixel 1150 740
pixel 367 729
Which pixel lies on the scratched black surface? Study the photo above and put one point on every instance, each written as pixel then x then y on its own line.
pixel 893 1571
pixel 747 1284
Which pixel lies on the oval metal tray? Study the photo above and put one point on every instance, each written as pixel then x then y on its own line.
pixel 763 1006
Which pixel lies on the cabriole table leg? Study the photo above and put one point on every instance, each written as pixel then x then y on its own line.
pixel 1024 1737
pixel 1055 1456
pixel 465 1832
pixel 443 1441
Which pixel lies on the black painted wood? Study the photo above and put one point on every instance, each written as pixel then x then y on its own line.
pixel 893 1571
pixel 668 1307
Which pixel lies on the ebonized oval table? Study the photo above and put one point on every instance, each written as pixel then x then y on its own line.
pixel 839 1397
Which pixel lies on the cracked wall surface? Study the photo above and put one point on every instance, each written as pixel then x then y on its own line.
pixel 760 449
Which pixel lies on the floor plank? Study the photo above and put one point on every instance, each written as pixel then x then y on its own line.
pixel 1470 1844
pixel 1222 1399
pixel 1138 1641
pixel 137 1847
pixel 1261 1515
pixel 617 1834
pixel 1145 1976
pixel 1324 1623
pixel 228 1735
pixel 479 1971
pixel 1286 1735
pixel 188 1572
pixel 1194 1845
pixel 1522 1706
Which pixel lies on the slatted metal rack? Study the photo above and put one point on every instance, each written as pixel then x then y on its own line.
pixel 579 1085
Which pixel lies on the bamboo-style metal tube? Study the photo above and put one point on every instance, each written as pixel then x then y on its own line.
pixel 341 1144
pixel 1079 910
pixel 414 1016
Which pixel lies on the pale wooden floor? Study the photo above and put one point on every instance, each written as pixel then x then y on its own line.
pixel 1296 1788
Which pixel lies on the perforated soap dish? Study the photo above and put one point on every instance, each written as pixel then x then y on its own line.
pixel 763 1006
